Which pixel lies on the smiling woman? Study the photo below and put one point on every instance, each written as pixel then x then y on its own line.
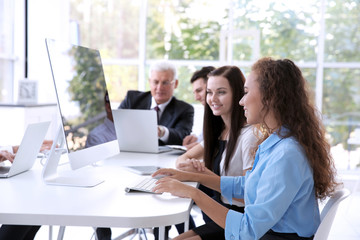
pixel 219 96
pixel 293 167
pixel 252 100
pixel 228 140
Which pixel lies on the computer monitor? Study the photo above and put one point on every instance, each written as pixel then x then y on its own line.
pixel 80 89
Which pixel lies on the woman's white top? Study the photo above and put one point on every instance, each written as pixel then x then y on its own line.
pixel 241 159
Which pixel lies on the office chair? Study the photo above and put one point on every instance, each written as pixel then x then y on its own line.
pixel 328 213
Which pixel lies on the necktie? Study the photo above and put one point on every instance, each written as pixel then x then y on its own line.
pixel 157 109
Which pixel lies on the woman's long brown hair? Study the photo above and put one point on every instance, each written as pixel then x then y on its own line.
pixel 214 125
pixel 285 92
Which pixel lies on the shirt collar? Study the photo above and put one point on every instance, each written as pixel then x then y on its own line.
pixel 161 106
pixel 273 139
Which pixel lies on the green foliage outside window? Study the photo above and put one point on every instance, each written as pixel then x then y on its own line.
pixel 191 30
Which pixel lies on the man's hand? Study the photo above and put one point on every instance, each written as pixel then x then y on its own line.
pixel 161 131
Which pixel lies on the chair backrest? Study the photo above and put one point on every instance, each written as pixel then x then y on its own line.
pixel 328 213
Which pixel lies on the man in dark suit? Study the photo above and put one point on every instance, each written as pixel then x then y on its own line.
pixel 176 117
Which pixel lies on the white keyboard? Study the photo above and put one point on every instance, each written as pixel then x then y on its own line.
pixel 145 185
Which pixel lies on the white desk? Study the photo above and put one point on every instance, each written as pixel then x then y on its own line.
pixel 25 199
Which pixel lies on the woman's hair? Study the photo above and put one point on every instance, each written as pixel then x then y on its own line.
pixel 214 125
pixel 285 92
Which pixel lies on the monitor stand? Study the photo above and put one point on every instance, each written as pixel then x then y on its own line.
pixel 76 178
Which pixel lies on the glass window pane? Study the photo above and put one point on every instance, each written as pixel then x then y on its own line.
pixel 184 90
pixel 120 79
pixel 341 105
pixel 341 91
pixel 289 29
pixel 6 80
pixel 110 26
pixel 310 75
pixel 113 28
pixel 6 50
pixel 184 29
pixel 342 31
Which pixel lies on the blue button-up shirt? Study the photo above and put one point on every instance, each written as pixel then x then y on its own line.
pixel 279 193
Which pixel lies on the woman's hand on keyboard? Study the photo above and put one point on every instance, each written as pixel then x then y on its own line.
pixel 175 187
pixel 171 173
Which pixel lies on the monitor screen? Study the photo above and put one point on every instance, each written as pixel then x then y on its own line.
pixel 81 93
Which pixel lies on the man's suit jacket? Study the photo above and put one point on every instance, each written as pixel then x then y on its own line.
pixel 178 116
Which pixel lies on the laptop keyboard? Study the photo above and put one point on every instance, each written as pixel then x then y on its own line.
pixel 145 185
pixel 4 169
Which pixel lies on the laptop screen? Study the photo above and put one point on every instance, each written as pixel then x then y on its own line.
pixel 81 90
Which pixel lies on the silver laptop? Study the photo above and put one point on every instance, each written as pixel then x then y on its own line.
pixel 136 131
pixel 28 150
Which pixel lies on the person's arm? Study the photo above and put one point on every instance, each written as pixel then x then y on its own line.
pixel 189 139
pixel 282 177
pixel 209 180
pixel 15 149
pixel 191 145
pixel 191 161
pixel 46 145
pixel 196 152
pixel 163 133
pixel 180 125
pixel 5 155
pixel 213 209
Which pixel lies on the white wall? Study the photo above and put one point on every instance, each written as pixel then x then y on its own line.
pixel 16 119
pixel 198 118
pixel 47 19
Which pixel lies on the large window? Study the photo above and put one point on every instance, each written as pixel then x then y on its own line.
pixel 7 56
pixel 321 36
pixel 196 33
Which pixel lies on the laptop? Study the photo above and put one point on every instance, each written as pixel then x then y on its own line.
pixel 28 150
pixel 136 131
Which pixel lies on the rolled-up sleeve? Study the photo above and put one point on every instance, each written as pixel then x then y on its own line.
pixel 232 187
pixel 232 229
pixel 226 187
